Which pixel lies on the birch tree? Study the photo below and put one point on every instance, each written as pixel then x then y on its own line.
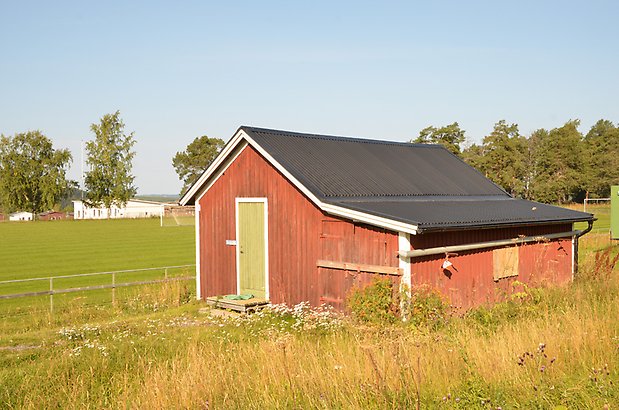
pixel 109 157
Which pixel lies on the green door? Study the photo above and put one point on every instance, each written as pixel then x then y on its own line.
pixel 251 244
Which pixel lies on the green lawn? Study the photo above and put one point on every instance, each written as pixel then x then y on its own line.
pixel 36 249
pixel 601 212
pixel 58 248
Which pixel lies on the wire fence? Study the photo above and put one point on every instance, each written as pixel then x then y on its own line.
pixel 113 283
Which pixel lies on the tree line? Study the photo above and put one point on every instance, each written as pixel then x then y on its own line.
pixel 554 166
pixel 33 174
pixel 559 165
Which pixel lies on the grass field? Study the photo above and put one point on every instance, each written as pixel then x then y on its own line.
pixel 36 249
pixel 601 212
pixel 157 348
pixel 57 248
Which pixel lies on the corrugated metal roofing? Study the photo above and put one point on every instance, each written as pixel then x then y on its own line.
pixel 419 184
pixel 460 213
pixel 351 167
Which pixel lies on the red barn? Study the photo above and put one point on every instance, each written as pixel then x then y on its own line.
pixel 296 217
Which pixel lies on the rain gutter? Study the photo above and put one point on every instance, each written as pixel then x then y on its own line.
pixel 491 244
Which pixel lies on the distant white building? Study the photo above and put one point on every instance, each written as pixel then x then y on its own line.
pixel 20 216
pixel 134 208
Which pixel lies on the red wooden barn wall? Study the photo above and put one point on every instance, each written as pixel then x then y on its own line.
pixel 473 282
pixel 300 234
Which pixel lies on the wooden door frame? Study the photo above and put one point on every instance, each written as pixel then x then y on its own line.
pixel 266 242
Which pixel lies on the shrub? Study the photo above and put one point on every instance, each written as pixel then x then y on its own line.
pixel 373 303
pixel 424 308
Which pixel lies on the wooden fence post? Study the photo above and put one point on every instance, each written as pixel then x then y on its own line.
pixel 113 288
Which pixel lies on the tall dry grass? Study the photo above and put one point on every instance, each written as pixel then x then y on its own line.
pixel 556 347
pixel 397 367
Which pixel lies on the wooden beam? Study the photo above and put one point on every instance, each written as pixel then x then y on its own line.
pixel 359 267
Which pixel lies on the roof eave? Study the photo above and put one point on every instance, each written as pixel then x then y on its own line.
pixel 189 197
pixel 494 225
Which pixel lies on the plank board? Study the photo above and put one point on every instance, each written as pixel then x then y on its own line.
pixel 248 305
pixel 360 267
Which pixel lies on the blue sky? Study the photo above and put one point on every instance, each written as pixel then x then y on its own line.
pixel 385 70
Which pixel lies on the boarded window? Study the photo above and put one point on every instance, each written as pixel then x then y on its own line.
pixel 505 262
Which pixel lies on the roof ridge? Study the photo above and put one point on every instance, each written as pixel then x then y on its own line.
pixel 419 198
pixel 336 137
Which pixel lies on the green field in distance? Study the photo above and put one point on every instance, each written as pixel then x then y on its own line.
pixel 39 249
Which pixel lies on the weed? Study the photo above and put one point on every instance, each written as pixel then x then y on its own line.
pixel 604 263
pixel 521 303
pixel 424 308
pixel 373 303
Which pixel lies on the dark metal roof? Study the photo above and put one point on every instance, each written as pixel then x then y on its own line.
pixel 419 184
pixel 352 167
pixel 461 213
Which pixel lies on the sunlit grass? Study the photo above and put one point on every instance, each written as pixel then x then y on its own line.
pixel 36 249
pixel 601 213
pixel 156 348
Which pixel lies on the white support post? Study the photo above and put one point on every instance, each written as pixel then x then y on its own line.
pixel 404 244
pixel 198 280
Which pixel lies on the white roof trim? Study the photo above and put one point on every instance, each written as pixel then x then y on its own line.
pixel 240 147
pixel 230 146
pixel 196 191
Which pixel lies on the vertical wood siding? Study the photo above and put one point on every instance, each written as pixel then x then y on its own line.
pixel 347 242
pixel 299 235
pixel 471 283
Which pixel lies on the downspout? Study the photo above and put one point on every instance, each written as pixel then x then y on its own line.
pixel 491 244
pixel 575 247
pixel 586 230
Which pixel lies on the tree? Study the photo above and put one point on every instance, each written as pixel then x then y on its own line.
pixel 450 136
pixel 504 158
pixel 474 156
pixel 109 156
pixel 32 173
pixel 556 163
pixel 601 145
pixel 198 155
